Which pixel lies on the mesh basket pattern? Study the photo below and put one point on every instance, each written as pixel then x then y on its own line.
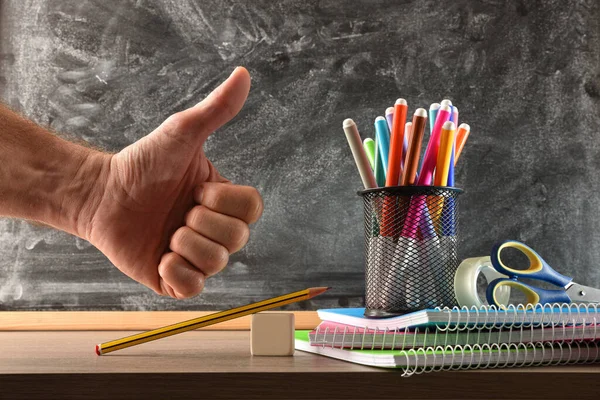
pixel 410 247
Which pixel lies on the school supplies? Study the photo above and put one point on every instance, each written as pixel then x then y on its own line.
pixel 539 270
pixel 369 146
pixel 360 157
pixel 409 174
pixel 430 158
pixel 397 143
pixel 526 315
pixel 458 337
pixel 444 154
pixel 389 117
pixel 207 320
pixel 433 111
pixel 465 282
pixel 357 337
pixel 383 142
pixel 379 172
pixel 461 138
pixel 447 358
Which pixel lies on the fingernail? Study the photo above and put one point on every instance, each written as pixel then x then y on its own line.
pixel 235 69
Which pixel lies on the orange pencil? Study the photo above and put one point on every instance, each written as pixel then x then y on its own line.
pixel 396 142
pixel 461 139
pixel 409 174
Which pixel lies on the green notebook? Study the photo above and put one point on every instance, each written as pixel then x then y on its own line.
pixel 460 357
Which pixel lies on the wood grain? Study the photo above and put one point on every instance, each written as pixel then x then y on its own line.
pixel 205 364
pixel 124 320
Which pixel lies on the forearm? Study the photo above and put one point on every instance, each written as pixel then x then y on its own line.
pixel 45 178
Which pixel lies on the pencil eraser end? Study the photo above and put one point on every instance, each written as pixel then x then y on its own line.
pixel 272 334
pixel 448 125
pixel 389 110
pixel 98 350
pixel 401 102
pixel 421 112
pixel 348 122
pixel 464 126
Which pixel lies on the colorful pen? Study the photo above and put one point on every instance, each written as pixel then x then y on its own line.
pixel 453 118
pixel 430 158
pixel 444 154
pixel 461 139
pixel 397 143
pixel 414 147
pixel 433 111
pixel 379 173
pixel 389 117
pixel 383 142
pixel 369 146
pixel 360 157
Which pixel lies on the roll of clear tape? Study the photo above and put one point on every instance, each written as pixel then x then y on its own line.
pixel 465 282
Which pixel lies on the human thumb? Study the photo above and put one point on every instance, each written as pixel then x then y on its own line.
pixel 195 125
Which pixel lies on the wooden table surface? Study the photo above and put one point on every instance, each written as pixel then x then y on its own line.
pixel 218 364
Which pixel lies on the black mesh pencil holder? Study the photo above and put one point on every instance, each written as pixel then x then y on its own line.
pixel 411 236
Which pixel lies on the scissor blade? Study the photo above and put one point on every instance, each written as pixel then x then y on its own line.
pixel 583 294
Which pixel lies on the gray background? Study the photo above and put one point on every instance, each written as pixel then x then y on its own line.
pixel 524 74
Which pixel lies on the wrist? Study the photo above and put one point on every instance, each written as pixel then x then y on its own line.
pixel 80 190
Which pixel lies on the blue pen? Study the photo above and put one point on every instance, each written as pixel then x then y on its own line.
pixel 383 141
pixel 433 112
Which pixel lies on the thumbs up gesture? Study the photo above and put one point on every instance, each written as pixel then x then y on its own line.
pixel 161 212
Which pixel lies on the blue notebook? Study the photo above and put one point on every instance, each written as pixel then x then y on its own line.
pixel 539 316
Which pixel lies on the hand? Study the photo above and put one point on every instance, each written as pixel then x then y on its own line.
pixel 162 214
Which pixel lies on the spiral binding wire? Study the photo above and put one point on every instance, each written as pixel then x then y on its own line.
pixel 573 337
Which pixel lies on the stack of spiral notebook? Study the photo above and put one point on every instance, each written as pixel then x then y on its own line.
pixel 445 339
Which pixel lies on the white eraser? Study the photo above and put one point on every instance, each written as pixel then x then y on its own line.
pixel 389 110
pixel 401 102
pixel 272 334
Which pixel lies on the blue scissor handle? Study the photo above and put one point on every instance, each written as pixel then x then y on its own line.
pixel 538 268
pixel 534 295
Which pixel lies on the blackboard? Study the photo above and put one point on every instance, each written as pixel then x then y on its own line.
pixel 524 74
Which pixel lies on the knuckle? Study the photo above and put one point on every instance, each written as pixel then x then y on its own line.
pixel 254 206
pixel 196 217
pixel 239 234
pixel 191 288
pixel 217 258
pixel 180 239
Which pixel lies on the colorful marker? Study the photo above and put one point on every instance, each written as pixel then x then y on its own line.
pixel 453 118
pixel 409 174
pixel 360 157
pixel 461 139
pixel 407 133
pixel 430 159
pixel 389 117
pixel 444 154
pixel 397 143
pixel 379 173
pixel 433 111
pixel 383 141
pixel 369 146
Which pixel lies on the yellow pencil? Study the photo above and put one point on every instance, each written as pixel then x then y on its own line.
pixel 207 320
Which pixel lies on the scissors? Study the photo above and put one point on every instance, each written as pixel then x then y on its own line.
pixel 538 269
